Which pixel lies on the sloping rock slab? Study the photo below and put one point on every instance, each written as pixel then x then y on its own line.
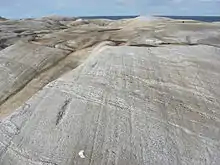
pixel 126 106
pixel 21 62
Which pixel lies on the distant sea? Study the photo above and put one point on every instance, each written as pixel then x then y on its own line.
pixel 198 18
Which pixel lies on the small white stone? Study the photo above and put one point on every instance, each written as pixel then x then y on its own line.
pixel 81 154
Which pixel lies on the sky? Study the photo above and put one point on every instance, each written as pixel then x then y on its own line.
pixel 39 8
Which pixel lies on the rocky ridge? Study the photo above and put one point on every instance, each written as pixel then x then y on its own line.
pixel 150 85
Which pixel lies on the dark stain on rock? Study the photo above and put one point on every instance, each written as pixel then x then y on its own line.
pixel 62 111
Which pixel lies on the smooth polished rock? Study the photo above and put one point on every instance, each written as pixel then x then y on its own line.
pixel 87 92
pixel 21 62
pixel 124 105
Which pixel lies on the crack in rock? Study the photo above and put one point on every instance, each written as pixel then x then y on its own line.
pixel 62 110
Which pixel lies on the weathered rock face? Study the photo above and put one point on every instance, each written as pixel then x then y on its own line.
pixel 21 62
pixel 125 105
pixel 148 94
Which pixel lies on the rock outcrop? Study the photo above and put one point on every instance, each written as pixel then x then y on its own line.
pixel 21 62
pixel 2 18
pixel 134 91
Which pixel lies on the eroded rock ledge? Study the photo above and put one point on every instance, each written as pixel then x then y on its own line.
pixel 137 91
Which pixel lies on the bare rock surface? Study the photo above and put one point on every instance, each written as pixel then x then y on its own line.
pixel 21 62
pixel 127 92
pixel 124 105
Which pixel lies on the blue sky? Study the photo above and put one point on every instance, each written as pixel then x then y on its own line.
pixel 38 8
